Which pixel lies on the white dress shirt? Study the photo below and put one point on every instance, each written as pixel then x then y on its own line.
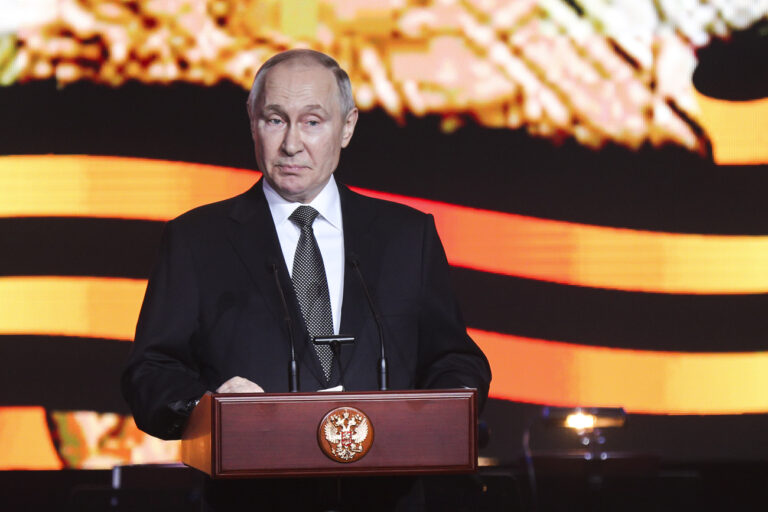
pixel 329 233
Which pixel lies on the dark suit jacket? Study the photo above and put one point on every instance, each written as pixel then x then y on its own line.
pixel 212 309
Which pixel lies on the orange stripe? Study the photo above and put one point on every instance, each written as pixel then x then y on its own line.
pixel 70 306
pixel 524 370
pixel 738 129
pixel 95 186
pixel 25 442
pixel 489 241
pixel 594 256
pixel 554 373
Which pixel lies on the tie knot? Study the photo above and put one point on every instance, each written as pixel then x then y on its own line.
pixel 304 216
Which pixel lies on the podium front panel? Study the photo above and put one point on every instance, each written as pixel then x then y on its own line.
pixel 414 432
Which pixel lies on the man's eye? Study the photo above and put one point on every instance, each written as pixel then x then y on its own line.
pixel 275 121
pixel 313 122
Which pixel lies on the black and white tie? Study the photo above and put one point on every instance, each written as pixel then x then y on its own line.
pixel 311 285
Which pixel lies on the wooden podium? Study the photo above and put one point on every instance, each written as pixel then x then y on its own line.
pixel 279 435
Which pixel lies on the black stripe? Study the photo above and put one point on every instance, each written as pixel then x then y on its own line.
pixel 78 246
pixel 658 189
pixel 173 122
pixel 492 302
pixel 741 57
pixel 63 373
pixel 611 318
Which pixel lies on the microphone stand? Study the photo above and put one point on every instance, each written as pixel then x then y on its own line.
pixel 293 368
pixel 382 366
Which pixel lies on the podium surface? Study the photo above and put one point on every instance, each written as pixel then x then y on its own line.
pixel 238 435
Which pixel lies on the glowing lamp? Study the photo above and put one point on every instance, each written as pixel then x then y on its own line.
pixel 580 421
pixel 584 419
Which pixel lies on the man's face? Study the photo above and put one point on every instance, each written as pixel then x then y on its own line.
pixel 298 129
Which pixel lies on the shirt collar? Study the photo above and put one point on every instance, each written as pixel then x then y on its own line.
pixel 327 203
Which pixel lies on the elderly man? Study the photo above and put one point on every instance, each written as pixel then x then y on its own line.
pixel 213 316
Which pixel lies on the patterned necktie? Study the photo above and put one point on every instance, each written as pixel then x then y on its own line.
pixel 311 285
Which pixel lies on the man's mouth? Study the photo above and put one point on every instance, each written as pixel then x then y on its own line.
pixel 291 168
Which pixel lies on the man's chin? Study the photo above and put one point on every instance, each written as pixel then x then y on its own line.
pixel 295 190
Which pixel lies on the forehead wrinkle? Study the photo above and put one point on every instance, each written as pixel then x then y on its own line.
pixel 287 85
pixel 278 109
pixel 273 107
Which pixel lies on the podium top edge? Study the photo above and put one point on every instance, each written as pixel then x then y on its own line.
pixel 413 394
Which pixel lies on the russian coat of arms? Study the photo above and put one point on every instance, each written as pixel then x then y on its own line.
pixel 348 434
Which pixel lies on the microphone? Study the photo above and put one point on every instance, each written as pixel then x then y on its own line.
pixel 335 342
pixel 382 366
pixel 293 368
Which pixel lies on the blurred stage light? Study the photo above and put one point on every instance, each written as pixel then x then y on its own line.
pixel 584 420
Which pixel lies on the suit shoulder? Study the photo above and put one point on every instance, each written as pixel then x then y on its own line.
pixel 390 210
pixel 210 214
pixel 216 209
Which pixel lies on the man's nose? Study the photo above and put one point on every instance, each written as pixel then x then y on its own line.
pixel 292 142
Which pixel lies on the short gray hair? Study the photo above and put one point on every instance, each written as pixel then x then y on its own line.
pixel 346 100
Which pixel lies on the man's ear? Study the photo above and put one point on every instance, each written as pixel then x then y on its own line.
pixel 349 127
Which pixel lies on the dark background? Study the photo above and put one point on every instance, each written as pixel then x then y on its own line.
pixel 658 189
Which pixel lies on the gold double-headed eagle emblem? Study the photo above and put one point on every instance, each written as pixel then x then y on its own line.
pixel 345 434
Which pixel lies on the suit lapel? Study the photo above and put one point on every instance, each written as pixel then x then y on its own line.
pixel 359 243
pixel 254 238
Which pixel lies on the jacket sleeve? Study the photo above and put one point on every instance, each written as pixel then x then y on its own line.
pixel 161 380
pixel 448 358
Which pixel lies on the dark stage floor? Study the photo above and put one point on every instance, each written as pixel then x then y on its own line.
pixel 563 484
